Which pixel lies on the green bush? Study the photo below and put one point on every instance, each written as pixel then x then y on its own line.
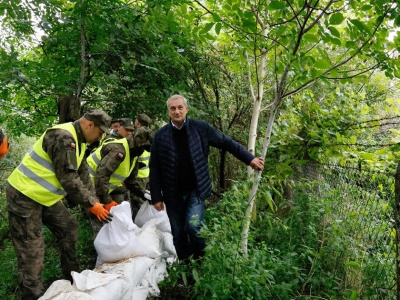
pixel 305 253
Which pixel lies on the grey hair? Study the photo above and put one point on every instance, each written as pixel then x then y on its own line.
pixel 177 97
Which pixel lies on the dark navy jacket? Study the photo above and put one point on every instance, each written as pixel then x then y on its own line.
pixel 163 173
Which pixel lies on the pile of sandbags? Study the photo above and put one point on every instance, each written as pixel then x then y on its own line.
pixel 132 259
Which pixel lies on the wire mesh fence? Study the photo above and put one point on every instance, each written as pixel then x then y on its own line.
pixel 360 238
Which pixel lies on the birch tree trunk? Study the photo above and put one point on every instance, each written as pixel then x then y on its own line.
pixel 260 92
pixel 257 177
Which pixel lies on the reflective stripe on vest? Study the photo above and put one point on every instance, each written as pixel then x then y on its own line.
pixel 123 170
pixel 35 176
pixel 144 172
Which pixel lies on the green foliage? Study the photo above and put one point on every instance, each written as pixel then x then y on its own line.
pixel 314 249
pixel 225 274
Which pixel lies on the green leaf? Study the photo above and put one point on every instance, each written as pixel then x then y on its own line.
pixel 216 17
pixel 322 63
pixel 184 278
pixel 339 138
pixel 218 27
pixel 277 5
pixel 395 148
pixel 195 275
pixel 334 31
pixel 336 19
pixel 353 264
pixel 397 21
pixel 366 7
pixel 360 26
pixel 249 25
pixel 351 44
pixel 336 41
pixel 207 27
pixel 368 156
pixel 270 202
pixel 311 38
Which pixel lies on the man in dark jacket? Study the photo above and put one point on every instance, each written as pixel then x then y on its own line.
pixel 179 173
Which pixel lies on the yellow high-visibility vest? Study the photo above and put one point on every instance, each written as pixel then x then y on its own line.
pixel 123 170
pixel 144 171
pixel 35 176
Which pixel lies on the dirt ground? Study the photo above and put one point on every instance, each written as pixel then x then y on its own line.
pixel 178 292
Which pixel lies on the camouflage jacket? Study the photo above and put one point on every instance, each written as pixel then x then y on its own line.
pixel 112 155
pixel 60 145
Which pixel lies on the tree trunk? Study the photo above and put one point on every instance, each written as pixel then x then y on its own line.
pixel 68 108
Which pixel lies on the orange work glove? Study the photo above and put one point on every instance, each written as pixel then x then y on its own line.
pixel 111 204
pixel 100 212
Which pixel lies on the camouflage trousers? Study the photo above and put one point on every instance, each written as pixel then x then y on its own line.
pixel 26 219
pixel 136 202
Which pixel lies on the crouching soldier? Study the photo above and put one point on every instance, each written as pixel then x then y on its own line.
pixel 114 166
pixel 53 168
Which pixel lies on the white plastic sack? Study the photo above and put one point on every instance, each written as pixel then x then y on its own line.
pixel 88 280
pixel 150 238
pixel 64 290
pixel 115 290
pixel 141 291
pixel 132 269
pixel 147 212
pixel 117 240
pixel 72 295
pixel 100 286
pixel 156 274
pixel 167 244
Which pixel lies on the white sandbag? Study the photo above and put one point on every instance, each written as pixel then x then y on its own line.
pixel 115 290
pixel 132 269
pixel 58 290
pixel 150 238
pixel 156 274
pixel 141 291
pixel 167 244
pixel 101 286
pixel 74 295
pixel 88 280
pixel 147 212
pixel 117 240
pixel 162 224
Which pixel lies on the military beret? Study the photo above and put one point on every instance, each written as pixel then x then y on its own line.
pixel 143 137
pixel 99 118
pixel 144 119
pixel 127 123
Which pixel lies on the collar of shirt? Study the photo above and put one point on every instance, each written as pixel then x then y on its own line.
pixel 79 133
pixel 179 128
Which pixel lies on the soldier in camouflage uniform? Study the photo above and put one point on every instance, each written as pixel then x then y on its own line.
pixel 113 165
pixel 54 168
pixel 120 128
pixel 141 121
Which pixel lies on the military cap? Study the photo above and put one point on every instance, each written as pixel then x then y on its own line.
pixel 143 137
pixel 99 118
pixel 126 123
pixel 144 119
